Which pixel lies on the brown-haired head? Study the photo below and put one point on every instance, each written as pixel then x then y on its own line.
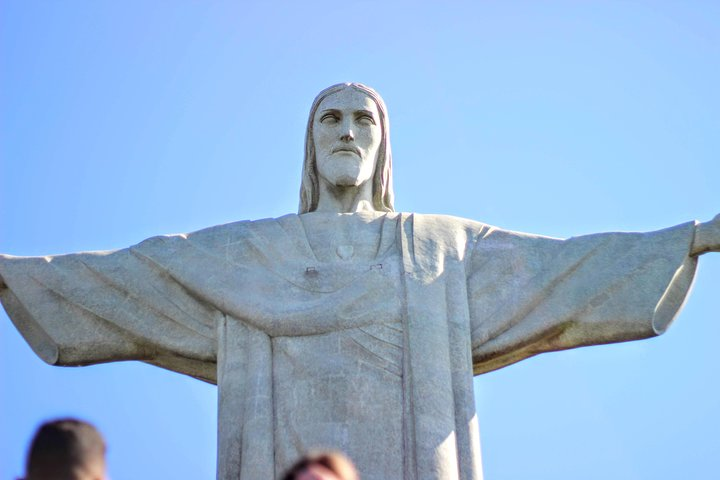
pixel 334 462
pixel 66 449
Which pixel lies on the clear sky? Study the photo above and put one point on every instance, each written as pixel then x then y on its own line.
pixel 124 120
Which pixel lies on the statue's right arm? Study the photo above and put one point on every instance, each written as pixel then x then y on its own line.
pixel 86 308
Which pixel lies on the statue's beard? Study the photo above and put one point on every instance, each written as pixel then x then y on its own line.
pixel 345 171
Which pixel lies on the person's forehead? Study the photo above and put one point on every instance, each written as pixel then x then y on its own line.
pixel 348 99
pixel 317 472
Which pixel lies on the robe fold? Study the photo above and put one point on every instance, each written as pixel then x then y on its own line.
pixel 444 298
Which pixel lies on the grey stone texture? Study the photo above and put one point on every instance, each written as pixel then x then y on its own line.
pixel 349 325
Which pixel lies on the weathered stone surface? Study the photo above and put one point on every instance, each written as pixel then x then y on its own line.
pixel 350 326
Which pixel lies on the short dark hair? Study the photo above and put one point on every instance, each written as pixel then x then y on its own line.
pixel 336 462
pixel 64 449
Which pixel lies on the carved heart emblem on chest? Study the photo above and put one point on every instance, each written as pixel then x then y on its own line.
pixel 344 251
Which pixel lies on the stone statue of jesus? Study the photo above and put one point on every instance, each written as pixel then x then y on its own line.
pixel 349 325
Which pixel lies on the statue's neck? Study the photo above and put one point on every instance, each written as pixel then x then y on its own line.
pixel 337 199
pixel 360 236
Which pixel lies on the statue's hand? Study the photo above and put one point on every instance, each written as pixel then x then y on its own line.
pixel 707 237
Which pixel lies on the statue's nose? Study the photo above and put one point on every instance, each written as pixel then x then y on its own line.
pixel 348 135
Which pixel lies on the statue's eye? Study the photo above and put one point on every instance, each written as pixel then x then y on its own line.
pixel 329 118
pixel 366 120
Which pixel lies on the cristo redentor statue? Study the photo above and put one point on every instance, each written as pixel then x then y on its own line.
pixel 350 325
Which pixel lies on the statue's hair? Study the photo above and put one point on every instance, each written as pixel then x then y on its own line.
pixel 382 190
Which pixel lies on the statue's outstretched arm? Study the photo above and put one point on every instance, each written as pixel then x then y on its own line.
pixel 94 307
pixel 547 295
pixel 707 237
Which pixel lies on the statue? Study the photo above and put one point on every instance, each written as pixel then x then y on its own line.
pixel 350 326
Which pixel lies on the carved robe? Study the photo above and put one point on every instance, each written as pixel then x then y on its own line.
pixel 372 356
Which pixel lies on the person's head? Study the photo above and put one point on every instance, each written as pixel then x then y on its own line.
pixel 66 449
pixel 347 144
pixel 322 466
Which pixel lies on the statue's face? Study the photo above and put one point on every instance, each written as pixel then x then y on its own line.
pixel 347 135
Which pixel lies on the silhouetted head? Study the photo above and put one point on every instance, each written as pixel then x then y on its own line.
pixel 66 449
pixel 322 466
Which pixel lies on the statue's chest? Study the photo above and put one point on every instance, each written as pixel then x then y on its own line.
pixel 329 296
pixel 288 278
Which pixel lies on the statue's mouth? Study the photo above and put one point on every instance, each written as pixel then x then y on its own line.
pixel 348 149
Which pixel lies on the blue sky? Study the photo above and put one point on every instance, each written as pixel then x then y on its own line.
pixel 124 120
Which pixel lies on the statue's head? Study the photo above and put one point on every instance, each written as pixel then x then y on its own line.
pixel 347 144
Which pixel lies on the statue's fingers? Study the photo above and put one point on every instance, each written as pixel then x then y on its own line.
pixel 713 234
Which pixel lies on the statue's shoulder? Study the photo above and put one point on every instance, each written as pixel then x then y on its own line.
pixel 223 234
pixel 472 230
pixel 245 227
pixel 454 236
pixel 448 223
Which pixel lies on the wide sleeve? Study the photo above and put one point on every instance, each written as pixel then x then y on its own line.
pixel 88 308
pixel 530 294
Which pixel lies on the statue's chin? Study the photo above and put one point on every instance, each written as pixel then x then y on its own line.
pixel 347 181
pixel 344 171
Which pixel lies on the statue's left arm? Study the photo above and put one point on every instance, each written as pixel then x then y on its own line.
pixel 707 237
pixel 529 294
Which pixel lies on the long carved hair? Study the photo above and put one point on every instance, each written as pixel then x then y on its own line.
pixel 382 190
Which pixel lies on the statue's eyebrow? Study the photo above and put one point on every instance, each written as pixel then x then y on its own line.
pixel 356 113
